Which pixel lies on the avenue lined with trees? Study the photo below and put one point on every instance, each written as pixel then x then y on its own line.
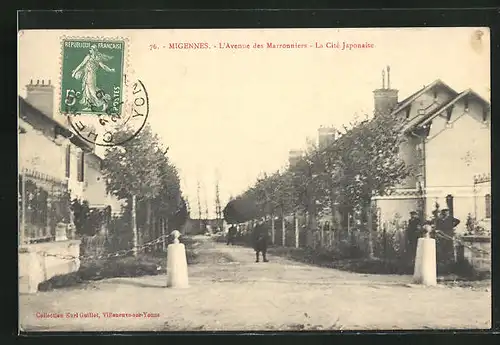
pixel 341 177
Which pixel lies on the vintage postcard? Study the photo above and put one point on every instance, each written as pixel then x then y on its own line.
pixel 254 179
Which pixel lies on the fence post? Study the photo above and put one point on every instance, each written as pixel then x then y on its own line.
pixel 273 232
pixel 23 207
pixel 283 230
pixel 48 215
pixel 296 231
pixel 134 226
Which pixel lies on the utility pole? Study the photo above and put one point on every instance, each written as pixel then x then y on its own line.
pixel 218 210
pixel 206 204
pixel 199 205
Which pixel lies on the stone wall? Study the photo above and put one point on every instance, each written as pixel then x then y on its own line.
pixel 35 266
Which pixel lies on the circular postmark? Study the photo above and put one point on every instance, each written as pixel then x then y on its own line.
pixel 110 122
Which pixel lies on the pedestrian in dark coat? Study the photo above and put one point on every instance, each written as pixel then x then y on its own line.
pixel 445 246
pixel 413 232
pixel 231 235
pixel 260 238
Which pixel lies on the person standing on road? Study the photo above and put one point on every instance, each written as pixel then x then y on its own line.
pixel 260 238
pixel 413 232
pixel 231 235
pixel 445 245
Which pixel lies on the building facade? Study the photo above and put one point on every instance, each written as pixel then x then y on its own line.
pixel 55 166
pixel 448 144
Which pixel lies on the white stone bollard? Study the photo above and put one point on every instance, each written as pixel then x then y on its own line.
pixel 61 229
pixel 177 271
pixel 425 262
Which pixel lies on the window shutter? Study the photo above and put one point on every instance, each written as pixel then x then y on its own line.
pixel 68 160
pixel 81 165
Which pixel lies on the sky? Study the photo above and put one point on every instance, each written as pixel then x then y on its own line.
pixel 232 114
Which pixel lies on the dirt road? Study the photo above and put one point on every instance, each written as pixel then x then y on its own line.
pixel 229 291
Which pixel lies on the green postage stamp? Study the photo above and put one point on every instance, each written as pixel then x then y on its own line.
pixel 92 76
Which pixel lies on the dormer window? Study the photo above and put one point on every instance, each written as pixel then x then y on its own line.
pixel 435 94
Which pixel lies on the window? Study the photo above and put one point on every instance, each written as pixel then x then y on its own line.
pixel 80 166
pixel 487 200
pixel 466 103
pixel 68 160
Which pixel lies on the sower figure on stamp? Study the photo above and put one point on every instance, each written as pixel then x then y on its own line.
pixel 231 235
pixel 413 232
pixel 87 72
pixel 260 238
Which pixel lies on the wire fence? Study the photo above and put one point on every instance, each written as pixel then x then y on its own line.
pixel 443 235
pixel 105 256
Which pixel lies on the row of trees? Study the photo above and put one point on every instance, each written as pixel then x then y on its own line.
pixel 140 172
pixel 341 177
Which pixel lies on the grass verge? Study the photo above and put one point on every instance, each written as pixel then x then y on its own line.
pixel 459 272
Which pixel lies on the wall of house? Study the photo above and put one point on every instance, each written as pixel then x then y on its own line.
pixel 424 104
pixel 95 185
pixel 481 190
pixel 409 154
pixel 76 187
pixel 40 153
pixel 389 207
pixel 456 152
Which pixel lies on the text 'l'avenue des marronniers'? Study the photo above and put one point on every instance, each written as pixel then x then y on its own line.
pixel 338 45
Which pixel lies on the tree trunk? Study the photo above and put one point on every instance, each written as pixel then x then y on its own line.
pixel 283 229
pixel 134 226
pixel 148 229
pixel 312 225
pixel 336 216
pixel 163 242
pixel 154 230
pixel 273 232
pixel 322 236
pixel 296 221
pixel 369 223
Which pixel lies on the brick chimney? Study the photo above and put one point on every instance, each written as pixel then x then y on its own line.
pixel 326 136
pixel 41 96
pixel 294 156
pixel 385 98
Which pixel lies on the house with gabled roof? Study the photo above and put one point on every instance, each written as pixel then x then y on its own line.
pixel 447 142
pixel 55 166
